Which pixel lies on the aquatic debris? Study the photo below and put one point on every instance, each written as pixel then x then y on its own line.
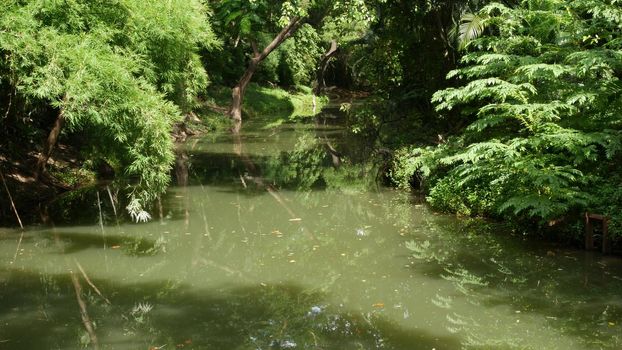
pixel 315 310
pixel 186 342
pixel 378 305
pixel 295 219
pixel 283 344
pixel 360 232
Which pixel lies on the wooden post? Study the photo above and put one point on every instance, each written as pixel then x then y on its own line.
pixel 589 232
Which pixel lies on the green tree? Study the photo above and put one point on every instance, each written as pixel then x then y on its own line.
pixel 540 91
pixel 126 69
pixel 246 19
pixel 248 22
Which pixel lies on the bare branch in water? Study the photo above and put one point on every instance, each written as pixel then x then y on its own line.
pixel 88 280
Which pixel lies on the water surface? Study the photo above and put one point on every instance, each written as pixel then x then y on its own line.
pixel 282 238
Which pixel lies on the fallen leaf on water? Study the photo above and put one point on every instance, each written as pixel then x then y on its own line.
pixel 378 305
pixel 115 247
pixel 292 261
pixel 295 219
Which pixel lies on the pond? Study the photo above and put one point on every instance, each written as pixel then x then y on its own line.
pixel 282 238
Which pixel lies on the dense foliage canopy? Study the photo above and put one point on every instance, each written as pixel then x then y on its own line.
pixel 120 72
pixel 539 91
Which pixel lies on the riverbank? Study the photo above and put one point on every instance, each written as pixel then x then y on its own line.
pixel 69 170
pixel 21 194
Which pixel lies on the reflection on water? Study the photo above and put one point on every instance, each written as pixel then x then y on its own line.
pixel 281 239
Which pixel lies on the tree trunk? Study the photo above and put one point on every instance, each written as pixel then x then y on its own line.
pixel 50 143
pixel 320 84
pixel 237 93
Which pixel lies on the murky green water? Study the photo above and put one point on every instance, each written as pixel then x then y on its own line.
pixel 281 239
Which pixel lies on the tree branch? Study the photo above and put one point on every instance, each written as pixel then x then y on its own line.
pixel 255 49
pixel 285 33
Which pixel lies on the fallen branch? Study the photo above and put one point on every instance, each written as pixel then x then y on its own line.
pixel 224 268
pixel 101 219
pixel 88 280
pixel 19 243
pixel 114 208
pixel 11 199
pixel 86 320
pixel 19 220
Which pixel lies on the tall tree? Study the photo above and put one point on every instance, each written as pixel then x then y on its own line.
pixel 263 26
pixel 247 20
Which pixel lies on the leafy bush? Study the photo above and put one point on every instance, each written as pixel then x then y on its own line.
pixel 540 89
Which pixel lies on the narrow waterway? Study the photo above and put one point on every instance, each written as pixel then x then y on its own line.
pixel 282 238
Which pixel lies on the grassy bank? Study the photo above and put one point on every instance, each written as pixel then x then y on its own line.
pixel 274 102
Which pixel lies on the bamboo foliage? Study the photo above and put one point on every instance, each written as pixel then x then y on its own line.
pixel 127 69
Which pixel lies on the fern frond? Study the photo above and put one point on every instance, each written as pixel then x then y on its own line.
pixel 471 27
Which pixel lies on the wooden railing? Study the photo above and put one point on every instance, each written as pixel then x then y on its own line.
pixel 589 232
